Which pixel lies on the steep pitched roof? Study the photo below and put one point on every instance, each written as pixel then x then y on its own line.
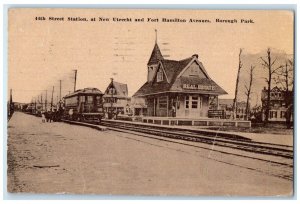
pixel 121 89
pixel 172 69
pixel 155 55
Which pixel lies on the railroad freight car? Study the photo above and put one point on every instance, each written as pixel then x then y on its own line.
pixel 84 105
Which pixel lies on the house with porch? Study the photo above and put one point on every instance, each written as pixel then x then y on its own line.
pixel 280 103
pixel 116 99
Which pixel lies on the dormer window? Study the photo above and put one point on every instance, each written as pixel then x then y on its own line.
pixel 159 76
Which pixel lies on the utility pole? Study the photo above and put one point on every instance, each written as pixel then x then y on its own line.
pixel 46 101
pixel 11 105
pixel 75 80
pixel 59 93
pixel 42 99
pixel 59 89
pixel 52 97
pixel 10 98
pixel 34 105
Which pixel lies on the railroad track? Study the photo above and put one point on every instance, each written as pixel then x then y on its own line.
pixel 281 158
pixel 240 144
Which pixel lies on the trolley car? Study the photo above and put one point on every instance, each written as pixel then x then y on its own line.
pixel 84 105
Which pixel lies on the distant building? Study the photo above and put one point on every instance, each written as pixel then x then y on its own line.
pixel 177 88
pixel 226 105
pixel 19 106
pixel 116 99
pixel 278 106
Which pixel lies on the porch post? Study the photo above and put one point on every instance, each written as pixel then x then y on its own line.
pixel 168 105
pixel 154 106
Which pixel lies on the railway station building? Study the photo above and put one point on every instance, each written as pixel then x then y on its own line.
pixel 178 88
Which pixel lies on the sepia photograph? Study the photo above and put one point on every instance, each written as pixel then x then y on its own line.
pixel 150 102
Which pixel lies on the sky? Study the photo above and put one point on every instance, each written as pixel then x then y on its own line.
pixel 42 52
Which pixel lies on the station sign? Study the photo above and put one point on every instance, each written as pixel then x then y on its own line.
pixel 199 87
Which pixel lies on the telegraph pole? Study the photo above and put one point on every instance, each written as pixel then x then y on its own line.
pixel 11 105
pixel 52 97
pixel 42 99
pixel 75 80
pixel 59 93
pixel 46 101
pixel 34 105
pixel 59 89
pixel 10 98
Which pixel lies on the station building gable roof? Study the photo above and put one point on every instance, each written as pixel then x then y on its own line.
pixel 174 81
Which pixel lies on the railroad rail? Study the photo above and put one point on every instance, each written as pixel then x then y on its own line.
pixel 210 138
pixel 280 155
pixel 229 140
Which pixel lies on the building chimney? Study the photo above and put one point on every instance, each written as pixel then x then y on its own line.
pixel 195 55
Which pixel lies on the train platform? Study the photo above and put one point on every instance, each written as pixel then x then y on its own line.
pixel 257 137
pixel 97 127
pixel 194 122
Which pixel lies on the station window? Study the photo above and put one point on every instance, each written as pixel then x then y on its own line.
pixel 159 75
pixel 194 102
pixel 187 102
pixel 282 114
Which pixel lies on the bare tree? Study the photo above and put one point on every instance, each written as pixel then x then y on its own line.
pixel 285 77
pixel 248 91
pixel 269 65
pixel 234 106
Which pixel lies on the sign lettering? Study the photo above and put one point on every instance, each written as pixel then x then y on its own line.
pixel 199 87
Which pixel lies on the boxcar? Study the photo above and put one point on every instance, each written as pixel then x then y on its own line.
pixel 84 105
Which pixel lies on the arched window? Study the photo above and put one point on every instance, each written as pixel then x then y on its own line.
pixel 159 76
